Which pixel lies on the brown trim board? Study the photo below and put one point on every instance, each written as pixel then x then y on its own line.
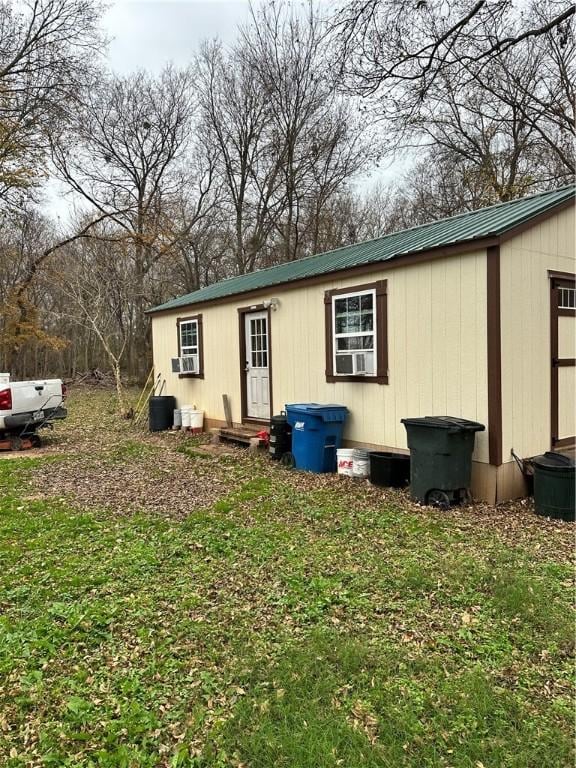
pixel 565 442
pixel 564 362
pixel 535 220
pixel 557 280
pixel 553 368
pixel 494 348
pixel 568 276
pixel 242 312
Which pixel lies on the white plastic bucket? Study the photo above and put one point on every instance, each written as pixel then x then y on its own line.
pixel 4 378
pixel 345 461
pixel 196 420
pixel 186 413
pixel 361 463
pixel 177 418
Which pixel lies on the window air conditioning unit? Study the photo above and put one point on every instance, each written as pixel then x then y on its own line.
pixel 360 364
pixel 187 364
pixel 355 363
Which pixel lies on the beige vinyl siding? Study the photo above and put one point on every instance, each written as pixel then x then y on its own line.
pixel 436 351
pixel 525 313
pixel 221 359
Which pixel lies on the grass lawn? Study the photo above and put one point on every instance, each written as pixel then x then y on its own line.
pixel 163 605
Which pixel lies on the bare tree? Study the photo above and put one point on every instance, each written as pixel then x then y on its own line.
pixel 288 142
pixel 491 104
pixel 486 139
pixel 317 134
pixel 536 80
pixel 384 44
pixel 46 50
pixel 97 293
pixel 236 119
pixel 125 156
pixel 20 312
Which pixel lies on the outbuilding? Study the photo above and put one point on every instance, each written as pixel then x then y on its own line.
pixel 472 316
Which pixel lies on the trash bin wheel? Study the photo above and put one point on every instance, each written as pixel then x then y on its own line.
pixel 16 444
pixel 437 498
pixel 36 441
pixel 287 460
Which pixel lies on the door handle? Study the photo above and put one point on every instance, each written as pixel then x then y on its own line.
pixel 247 367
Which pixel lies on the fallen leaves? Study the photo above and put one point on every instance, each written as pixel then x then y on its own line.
pixel 148 627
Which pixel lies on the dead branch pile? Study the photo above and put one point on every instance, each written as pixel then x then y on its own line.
pixel 93 378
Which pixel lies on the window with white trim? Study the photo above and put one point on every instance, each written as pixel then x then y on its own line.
pixel 566 298
pixel 190 346
pixel 354 333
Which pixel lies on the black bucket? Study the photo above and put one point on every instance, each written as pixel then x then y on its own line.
pixel 161 412
pixel 280 437
pixel 390 470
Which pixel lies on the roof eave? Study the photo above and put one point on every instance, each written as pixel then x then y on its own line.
pixel 402 259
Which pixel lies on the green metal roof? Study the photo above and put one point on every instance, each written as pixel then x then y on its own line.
pixel 466 227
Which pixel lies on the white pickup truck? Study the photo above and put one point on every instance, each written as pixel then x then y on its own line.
pixel 27 405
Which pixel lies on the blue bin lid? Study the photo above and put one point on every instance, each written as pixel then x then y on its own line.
pixel 330 412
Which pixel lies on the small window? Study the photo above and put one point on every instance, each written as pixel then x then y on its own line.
pixel 566 298
pixel 356 344
pixel 190 346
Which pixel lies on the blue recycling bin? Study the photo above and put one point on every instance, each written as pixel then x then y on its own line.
pixel 316 434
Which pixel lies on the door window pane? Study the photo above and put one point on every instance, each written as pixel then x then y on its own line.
pixel 258 342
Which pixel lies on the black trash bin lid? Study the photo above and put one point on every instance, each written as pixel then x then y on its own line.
pixel 554 461
pixel 445 422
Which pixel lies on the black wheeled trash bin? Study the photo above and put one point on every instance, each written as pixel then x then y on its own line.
pixel 554 486
pixel 441 450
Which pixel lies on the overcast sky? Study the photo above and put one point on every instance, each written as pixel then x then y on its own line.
pixel 150 33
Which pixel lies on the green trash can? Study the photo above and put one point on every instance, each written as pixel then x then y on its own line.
pixel 554 487
pixel 441 450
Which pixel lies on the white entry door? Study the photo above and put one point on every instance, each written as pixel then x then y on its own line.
pixel 257 366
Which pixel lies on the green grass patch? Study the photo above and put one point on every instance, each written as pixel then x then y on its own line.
pixel 285 626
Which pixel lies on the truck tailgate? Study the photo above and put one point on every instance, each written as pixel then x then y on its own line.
pixel 35 396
